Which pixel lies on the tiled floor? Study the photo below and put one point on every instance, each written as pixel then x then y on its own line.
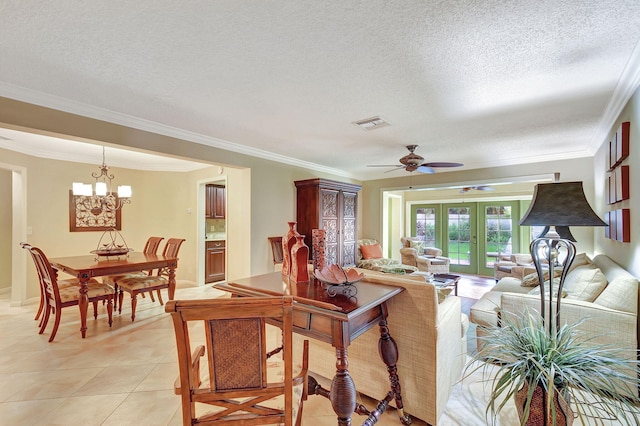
pixel 118 376
pixel 115 376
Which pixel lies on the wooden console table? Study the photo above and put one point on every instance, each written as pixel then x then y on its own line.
pixel 336 320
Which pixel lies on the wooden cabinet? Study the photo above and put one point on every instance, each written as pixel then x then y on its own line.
pixel 214 261
pixel 215 201
pixel 332 206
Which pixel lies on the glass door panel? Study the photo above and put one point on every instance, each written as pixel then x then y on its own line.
pixel 497 233
pixel 461 241
pixel 424 224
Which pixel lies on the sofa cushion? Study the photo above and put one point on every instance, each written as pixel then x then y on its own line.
pixel 510 285
pixel 484 311
pixel 620 294
pixel 371 251
pixel 588 284
pixel 556 284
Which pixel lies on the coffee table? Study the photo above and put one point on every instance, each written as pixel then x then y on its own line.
pixel 446 280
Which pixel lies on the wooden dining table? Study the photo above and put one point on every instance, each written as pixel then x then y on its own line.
pixel 89 266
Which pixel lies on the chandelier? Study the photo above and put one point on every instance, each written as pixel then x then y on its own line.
pixel 102 198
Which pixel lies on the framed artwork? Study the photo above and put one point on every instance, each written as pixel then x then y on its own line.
pixel 87 214
pixel 613 152
pixel 622 142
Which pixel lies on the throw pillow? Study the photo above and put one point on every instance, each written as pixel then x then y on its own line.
pixel 443 293
pixel 371 251
pixel 581 259
pixel 620 294
pixel 574 275
pixel 588 285
pixel 531 280
pixel 418 245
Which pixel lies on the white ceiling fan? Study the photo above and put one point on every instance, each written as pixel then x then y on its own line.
pixel 414 162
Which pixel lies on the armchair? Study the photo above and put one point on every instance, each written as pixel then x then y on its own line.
pixel 517 266
pixel 370 257
pixel 428 259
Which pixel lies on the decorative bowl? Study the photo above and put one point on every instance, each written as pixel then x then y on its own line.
pixel 118 251
pixel 337 275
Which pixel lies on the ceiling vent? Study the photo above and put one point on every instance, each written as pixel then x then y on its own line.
pixel 371 123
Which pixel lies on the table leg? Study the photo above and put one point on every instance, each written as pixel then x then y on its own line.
pixel 83 303
pixel 388 350
pixel 172 281
pixel 343 390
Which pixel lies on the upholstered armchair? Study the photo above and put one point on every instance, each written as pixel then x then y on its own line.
pixel 428 259
pixel 370 257
pixel 517 266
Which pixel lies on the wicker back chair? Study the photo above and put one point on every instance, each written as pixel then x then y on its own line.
pixel 58 294
pixel 135 285
pixel 250 387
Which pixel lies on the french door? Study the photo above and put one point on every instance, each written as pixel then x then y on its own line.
pixel 461 241
pixel 473 235
pixel 498 233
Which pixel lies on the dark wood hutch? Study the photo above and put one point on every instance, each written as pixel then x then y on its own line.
pixel 332 206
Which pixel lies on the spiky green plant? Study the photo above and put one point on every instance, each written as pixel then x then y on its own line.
pixel 598 381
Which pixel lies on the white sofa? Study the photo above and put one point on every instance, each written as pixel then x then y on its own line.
pixel 432 346
pixel 609 308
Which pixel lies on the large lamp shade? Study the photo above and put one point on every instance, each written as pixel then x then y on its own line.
pixel 560 204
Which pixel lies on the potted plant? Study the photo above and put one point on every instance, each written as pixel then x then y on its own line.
pixel 552 373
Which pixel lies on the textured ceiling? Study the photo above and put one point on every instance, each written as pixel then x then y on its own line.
pixel 482 83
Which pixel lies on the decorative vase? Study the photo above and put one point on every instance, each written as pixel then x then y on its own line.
pixel 287 243
pixel 318 248
pixel 299 260
pixel 538 413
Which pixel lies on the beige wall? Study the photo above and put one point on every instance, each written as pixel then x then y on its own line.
pixel 5 229
pixel 260 193
pixel 626 254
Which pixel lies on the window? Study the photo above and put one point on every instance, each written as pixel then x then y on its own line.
pixel 425 225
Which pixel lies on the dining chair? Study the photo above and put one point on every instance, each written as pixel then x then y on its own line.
pixel 157 281
pixel 245 383
pixel 276 249
pixel 58 294
pixel 150 247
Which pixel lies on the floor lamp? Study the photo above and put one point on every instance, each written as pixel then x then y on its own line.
pixel 559 205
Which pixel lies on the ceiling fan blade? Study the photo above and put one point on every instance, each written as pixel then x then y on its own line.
pixel 425 169
pixel 484 188
pixel 443 164
pixel 385 165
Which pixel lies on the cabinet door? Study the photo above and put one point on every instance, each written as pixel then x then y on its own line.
pixel 214 261
pixel 348 237
pixel 329 222
pixel 219 202
pixel 209 193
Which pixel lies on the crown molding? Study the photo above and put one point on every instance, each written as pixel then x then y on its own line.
pixel 628 83
pixel 90 111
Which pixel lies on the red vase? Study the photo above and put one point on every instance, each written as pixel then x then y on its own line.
pixel 299 260
pixel 287 243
